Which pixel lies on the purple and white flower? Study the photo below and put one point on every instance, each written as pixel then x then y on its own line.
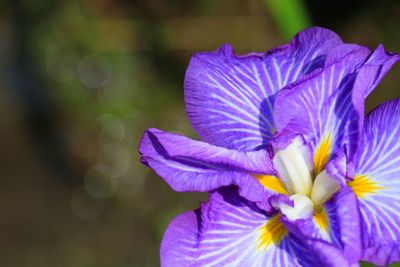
pixel 297 174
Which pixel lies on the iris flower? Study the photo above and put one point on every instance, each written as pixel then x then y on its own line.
pixel 297 175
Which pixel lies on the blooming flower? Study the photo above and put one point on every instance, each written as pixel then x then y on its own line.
pixel 297 175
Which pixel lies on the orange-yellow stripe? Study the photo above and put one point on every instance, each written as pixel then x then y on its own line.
pixel 272 183
pixel 362 185
pixel 272 232
pixel 321 219
pixel 322 153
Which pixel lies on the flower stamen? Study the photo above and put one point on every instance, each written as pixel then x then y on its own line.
pixel 293 168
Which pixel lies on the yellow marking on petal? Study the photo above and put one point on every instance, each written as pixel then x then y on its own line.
pixel 321 219
pixel 362 185
pixel 272 232
pixel 322 153
pixel 272 182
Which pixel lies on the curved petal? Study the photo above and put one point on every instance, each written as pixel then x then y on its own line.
pixel 230 231
pixel 188 165
pixel 230 98
pixel 381 61
pixel 328 255
pixel 377 182
pixel 313 92
pixel 345 223
pixel 383 254
pixel 337 167
pixel 337 224
pixel 328 107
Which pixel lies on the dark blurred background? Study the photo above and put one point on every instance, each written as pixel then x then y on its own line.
pixel 81 80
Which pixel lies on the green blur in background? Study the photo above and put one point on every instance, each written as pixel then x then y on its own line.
pixel 79 83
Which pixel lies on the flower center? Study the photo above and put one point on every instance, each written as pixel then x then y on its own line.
pixel 295 169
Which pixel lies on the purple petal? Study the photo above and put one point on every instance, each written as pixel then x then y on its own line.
pixel 188 165
pixel 179 241
pixel 344 220
pixel 226 232
pixel 382 61
pixel 369 76
pixel 328 255
pixel 383 254
pixel 329 105
pixel 277 200
pixel 337 167
pixel 377 182
pixel 342 228
pixel 321 107
pixel 230 98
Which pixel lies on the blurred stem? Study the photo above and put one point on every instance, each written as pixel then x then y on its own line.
pixel 290 15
